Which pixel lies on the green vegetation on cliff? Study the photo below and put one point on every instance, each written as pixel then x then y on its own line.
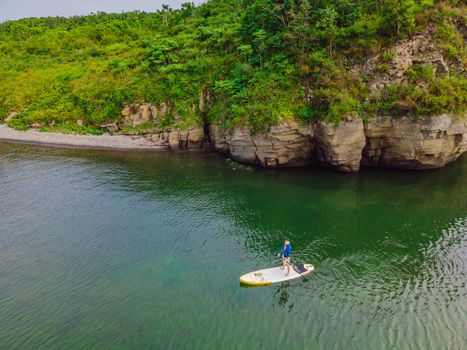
pixel 255 62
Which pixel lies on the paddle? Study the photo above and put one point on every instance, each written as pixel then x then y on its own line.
pixel 291 266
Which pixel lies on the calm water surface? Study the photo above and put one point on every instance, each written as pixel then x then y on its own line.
pixel 100 250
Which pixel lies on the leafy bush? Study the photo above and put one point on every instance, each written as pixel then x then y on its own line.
pixel 382 68
pixel 18 124
pixel 260 62
pixel 423 95
pixel 389 55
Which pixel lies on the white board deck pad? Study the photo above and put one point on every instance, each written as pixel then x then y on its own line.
pixel 273 275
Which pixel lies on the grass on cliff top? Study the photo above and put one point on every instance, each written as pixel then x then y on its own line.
pixel 259 62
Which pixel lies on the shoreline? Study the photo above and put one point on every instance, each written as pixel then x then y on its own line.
pixel 93 142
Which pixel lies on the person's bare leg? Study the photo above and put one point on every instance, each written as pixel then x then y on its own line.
pixel 283 264
pixel 288 268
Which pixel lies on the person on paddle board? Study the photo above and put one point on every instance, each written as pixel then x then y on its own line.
pixel 285 251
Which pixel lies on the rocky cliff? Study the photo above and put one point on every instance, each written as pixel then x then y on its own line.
pixel 174 139
pixel 416 51
pixel 384 141
pixel 288 144
pixel 145 120
pixel 339 146
pixel 426 143
pixel 423 143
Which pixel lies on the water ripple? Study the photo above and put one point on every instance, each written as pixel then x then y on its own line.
pixel 107 250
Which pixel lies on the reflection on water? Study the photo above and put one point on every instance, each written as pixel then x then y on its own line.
pixel 134 250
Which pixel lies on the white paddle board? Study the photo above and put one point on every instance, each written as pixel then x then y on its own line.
pixel 273 275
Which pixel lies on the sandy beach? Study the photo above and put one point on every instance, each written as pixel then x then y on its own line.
pixel 110 142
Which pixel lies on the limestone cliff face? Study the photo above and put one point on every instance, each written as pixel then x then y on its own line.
pixel 138 114
pixel 285 145
pixel 418 50
pixel 173 139
pixel 407 143
pixel 426 143
pixel 148 115
pixel 340 146
pixel 292 144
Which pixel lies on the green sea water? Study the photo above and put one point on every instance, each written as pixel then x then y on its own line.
pixel 104 250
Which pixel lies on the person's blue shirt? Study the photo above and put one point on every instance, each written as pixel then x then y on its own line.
pixel 287 251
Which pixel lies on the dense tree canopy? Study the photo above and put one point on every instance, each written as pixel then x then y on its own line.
pixel 260 61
